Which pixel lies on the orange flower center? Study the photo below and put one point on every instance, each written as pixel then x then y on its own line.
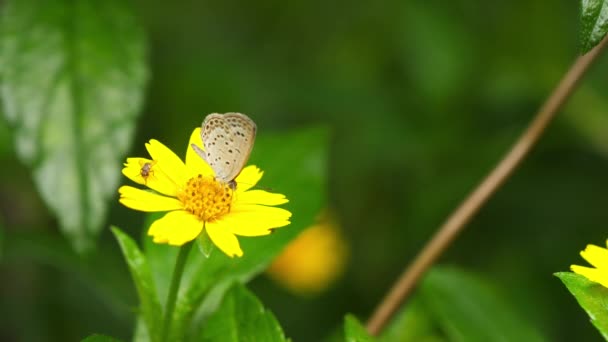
pixel 206 198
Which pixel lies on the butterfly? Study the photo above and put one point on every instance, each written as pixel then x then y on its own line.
pixel 227 143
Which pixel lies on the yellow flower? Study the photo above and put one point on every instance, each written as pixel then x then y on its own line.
pixel 598 258
pixel 196 201
pixel 313 261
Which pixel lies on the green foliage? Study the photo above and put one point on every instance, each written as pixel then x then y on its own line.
pixel 73 75
pixel 591 296
pixel 141 331
pixel 415 322
pixel 594 22
pixel 98 273
pixel 99 338
pixel 1 240
pixel 204 243
pixel 150 307
pixel 294 164
pixel 354 331
pixel 241 317
pixel 410 90
pixel 468 309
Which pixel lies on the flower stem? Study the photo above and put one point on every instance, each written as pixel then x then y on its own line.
pixel 456 222
pixel 178 271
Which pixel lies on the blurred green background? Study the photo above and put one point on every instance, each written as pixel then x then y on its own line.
pixel 422 99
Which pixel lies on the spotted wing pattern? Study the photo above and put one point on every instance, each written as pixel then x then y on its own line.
pixel 228 140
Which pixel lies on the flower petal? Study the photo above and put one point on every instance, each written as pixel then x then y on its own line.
pixel 223 238
pixel 156 179
pixel 314 260
pixel 142 200
pixel 132 169
pixel 248 178
pixel 593 274
pixel 270 213
pixel 260 197
pixel 248 224
pixel 170 163
pixel 596 256
pixel 196 165
pixel 176 228
pixel 255 220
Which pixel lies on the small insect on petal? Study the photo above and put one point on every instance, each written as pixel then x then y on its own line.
pixel 146 170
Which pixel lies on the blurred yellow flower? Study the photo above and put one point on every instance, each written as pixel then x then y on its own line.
pixel 313 261
pixel 598 258
pixel 196 201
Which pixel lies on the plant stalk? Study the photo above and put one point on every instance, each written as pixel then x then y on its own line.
pixel 178 271
pixel 456 222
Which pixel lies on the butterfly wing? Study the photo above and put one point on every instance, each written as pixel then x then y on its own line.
pixel 243 131
pixel 228 141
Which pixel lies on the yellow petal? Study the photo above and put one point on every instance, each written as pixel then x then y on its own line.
pixel 132 169
pixel 260 197
pixel 194 162
pixel 156 178
pixel 146 201
pixel 596 256
pixel 254 210
pixel 314 260
pixel 176 228
pixel 223 239
pixel 255 220
pixel 172 166
pixel 247 225
pixel 248 178
pixel 593 274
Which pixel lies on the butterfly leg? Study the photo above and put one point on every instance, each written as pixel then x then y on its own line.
pixel 200 153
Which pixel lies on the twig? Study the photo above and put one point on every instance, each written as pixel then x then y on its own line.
pixel 471 205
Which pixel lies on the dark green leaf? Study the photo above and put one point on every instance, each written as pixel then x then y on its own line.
pixel 413 323
pixel 1 239
pixel 592 297
pixel 150 307
pixel 98 271
pixel 99 338
pixel 6 147
pixel 294 164
pixel 73 75
pixel 241 317
pixel 354 331
pixel 594 22
pixel 468 309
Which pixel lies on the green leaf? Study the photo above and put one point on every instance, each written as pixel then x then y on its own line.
pixel 150 308
pixel 73 75
pixel 242 317
pixel 354 331
pixel 294 164
pixel 594 23
pixel 1 240
pixel 98 271
pixel 591 296
pixel 413 323
pixel 141 332
pixel 99 338
pixel 204 243
pixel 468 309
